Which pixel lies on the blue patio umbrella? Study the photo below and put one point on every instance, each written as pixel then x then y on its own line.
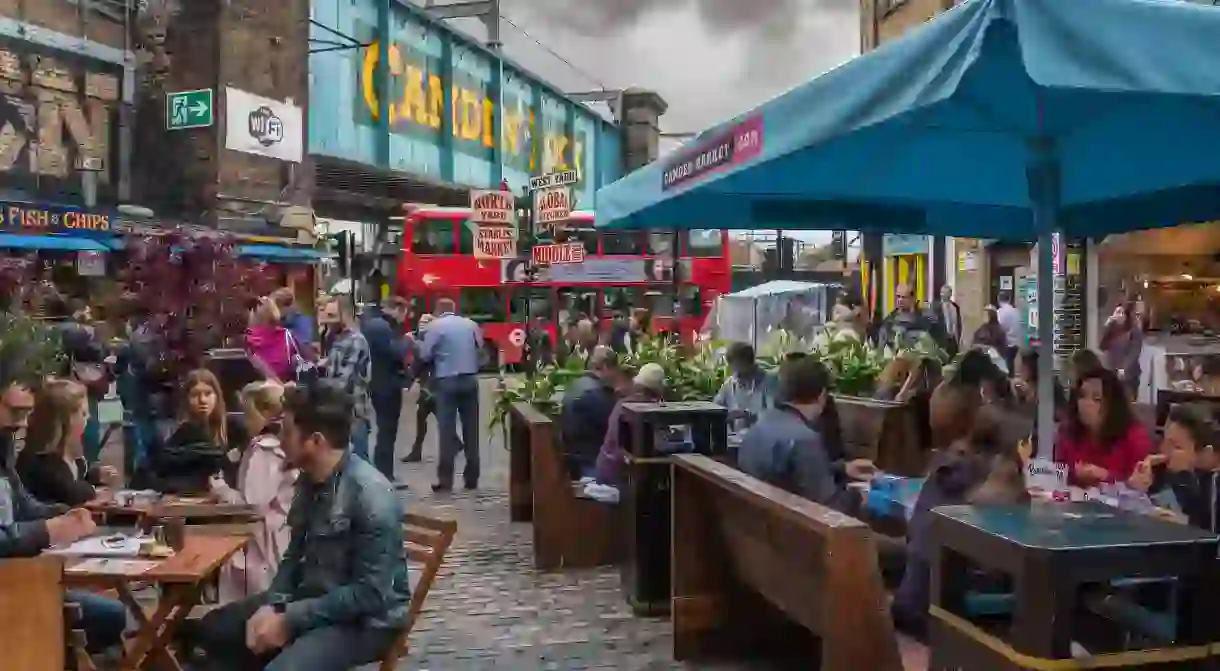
pixel 1008 119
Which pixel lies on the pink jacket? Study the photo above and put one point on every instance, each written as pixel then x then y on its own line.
pixel 263 483
pixel 272 344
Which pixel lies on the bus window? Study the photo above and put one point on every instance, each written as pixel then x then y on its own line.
pixel 432 236
pixel 622 244
pixel 692 305
pixel 526 302
pixel 586 235
pixel 578 301
pixel 704 243
pixel 660 244
pixel 622 299
pixel 482 305
pixel 465 236
pixel 661 304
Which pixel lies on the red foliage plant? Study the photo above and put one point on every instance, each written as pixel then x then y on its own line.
pixel 194 293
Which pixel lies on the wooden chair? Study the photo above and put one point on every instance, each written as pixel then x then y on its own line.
pixel 427 540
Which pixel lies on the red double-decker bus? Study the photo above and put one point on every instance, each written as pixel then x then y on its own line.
pixel 621 271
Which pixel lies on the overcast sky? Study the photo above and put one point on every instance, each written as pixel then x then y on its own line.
pixel 709 59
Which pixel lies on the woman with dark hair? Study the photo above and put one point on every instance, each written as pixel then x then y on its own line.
pixel 1122 339
pixel 991 333
pixel 1025 380
pixel 1100 440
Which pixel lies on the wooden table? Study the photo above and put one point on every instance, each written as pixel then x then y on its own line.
pixel 180 578
pixel 1051 551
pixel 190 509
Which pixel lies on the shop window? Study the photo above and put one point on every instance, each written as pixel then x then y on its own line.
pixel 704 243
pixel 432 236
pixel 530 302
pixel 622 244
pixel 482 305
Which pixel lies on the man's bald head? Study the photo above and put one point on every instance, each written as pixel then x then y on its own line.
pixel 602 360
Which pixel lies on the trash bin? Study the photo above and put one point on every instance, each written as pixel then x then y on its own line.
pixel 652 433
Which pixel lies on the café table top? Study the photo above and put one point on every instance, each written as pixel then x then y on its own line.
pixel 1073 526
pixel 174 506
pixel 201 556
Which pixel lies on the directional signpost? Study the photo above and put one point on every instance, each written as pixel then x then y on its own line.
pixel 553 198
pixel 189 109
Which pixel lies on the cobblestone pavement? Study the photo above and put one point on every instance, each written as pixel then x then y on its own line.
pixel 489 608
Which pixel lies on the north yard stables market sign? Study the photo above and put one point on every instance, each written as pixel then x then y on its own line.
pixel 418 98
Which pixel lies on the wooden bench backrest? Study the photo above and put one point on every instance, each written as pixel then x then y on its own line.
pixel 427 539
pixel 32 614
pixel 815 565
pixel 569 532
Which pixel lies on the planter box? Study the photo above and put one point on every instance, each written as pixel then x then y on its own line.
pixel 887 432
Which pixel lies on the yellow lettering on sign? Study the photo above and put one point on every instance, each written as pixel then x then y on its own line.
pixel 472 118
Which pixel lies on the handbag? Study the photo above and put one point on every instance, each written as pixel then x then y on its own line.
pixel 92 375
pixel 304 371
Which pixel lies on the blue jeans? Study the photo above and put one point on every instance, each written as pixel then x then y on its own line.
pixel 360 438
pixel 102 619
pixel 456 397
pixel 221 635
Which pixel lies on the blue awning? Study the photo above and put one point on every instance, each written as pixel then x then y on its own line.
pixel 54 242
pixel 280 253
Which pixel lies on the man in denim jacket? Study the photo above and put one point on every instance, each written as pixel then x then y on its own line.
pixel 341 594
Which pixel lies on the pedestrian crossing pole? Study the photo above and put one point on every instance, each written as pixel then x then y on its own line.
pixel 528 230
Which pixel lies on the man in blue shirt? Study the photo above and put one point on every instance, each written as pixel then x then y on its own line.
pixel 341 594
pixel 453 344
pixel 786 449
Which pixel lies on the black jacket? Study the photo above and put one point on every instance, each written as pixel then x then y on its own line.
pixel 388 350
pixel 1195 492
pixel 49 478
pixel 184 463
pixel 584 416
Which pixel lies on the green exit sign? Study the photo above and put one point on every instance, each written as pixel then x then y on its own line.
pixel 189 109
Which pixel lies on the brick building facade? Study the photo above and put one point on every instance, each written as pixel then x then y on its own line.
pixel 84 89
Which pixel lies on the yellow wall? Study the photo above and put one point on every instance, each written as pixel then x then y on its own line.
pixel 910 269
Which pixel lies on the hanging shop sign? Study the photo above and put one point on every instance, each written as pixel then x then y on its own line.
pixel 495 215
pixel 52 219
pixel 263 127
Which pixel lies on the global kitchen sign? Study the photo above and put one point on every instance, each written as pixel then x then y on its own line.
pixel 733 146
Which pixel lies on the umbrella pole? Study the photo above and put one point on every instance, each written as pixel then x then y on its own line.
pixel 1043 176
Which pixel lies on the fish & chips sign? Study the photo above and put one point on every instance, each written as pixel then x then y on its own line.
pixel 494 213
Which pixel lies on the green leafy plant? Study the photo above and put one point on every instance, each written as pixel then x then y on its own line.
pixel 29 349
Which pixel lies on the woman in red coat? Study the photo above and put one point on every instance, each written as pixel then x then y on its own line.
pixel 1100 439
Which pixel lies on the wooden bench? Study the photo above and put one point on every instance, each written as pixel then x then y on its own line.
pixel 887 432
pixel 32 635
pixel 427 541
pixel 569 531
pixel 758 569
